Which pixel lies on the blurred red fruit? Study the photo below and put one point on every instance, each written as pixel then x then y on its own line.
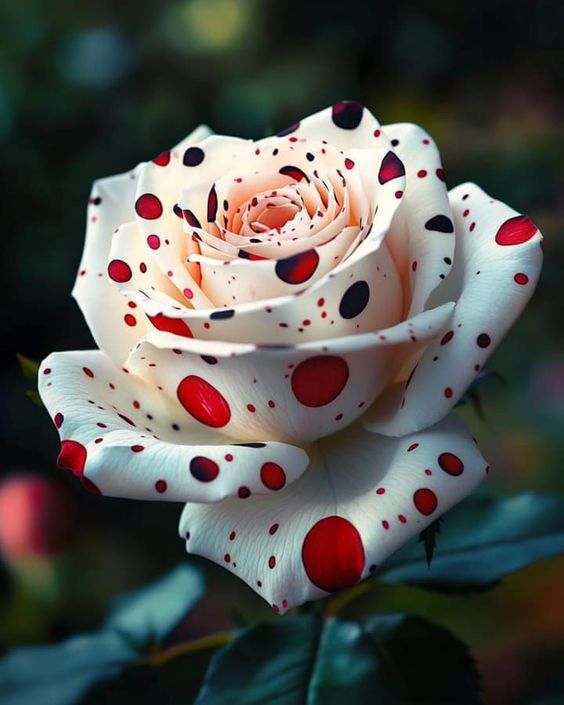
pixel 36 517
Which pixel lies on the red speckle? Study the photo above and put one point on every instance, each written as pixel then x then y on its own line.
pixel 440 174
pixel 447 337
pixel 448 392
pixel 273 529
pixel 148 206
pixel 333 554
pixel 521 279
pixel 272 476
pixel 188 293
pixel 59 418
pixel 229 457
pixel 516 231
pixel 171 325
pixel 271 562
pixel 202 401
pixel 160 486
pixel 72 456
pixel 413 446
pixel 425 501
pixel 381 490
pixel 119 271
pixel 251 408
pixel 319 380
pixel 137 448
pixel 349 163
pixel 421 173
pixel 154 242
pixel 88 372
pixel 130 320
pixel 243 492
pixel 451 464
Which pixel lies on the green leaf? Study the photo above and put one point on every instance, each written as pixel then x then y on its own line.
pixel 62 673
pixel 149 615
pixel 428 537
pixel 483 540
pixel 29 368
pixel 385 659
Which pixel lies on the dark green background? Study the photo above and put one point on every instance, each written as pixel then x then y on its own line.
pixel 88 89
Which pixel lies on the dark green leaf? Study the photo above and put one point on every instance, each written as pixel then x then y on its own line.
pixel 149 615
pixel 385 659
pixel 62 673
pixel 483 540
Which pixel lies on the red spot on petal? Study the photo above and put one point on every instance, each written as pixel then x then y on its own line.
pixel 171 325
pixel 298 268
pixel 161 486
pixel 333 554
pixel 319 380
pixel 521 279
pixel 148 206
pixel 447 337
pixel 119 271
pixel 272 476
pixel 154 242
pixel 162 159
pixel 516 231
pixel 202 401
pixel 451 464
pixel 425 501
pixel 59 418
pixel 72 456
pixel 391 168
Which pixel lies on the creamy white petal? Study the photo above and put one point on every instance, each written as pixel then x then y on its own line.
pixel 124 438
pixel 290 393
pixel 361 499
pixel 497 263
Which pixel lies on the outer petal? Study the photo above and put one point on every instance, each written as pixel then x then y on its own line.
pixel 125 439
pixel 421 238
pixel 362 498
pixel 497 264
pixel 291 393
pixel 111 203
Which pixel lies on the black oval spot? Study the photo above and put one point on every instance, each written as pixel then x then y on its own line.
pixel 220 315
pixel 354 300
pixel 440 224
pixel 288 130
pixel 250 445
pixel 209 359
pixel 193 156
pixel 203 469
pixel 483 340
pixel 347 114
pixel 294 172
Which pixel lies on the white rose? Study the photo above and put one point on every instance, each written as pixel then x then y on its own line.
pixel 284 326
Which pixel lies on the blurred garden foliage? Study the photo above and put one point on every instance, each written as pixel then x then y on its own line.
pixel 87 89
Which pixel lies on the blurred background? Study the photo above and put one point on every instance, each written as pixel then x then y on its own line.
pixel 88 89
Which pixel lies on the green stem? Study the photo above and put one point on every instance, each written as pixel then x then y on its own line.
pixel 161 656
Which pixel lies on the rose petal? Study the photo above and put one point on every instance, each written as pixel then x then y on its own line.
pixel 362 498
pixel 293 393
pixel 496 266
pixel 421 238
pixel 125 439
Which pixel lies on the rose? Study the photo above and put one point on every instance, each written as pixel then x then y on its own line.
pixel 284 325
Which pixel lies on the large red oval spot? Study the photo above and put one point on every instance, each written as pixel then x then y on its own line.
pixel 451 463
pixel 333 554
pixel 319 380
pixel 149 206
pixel 119 271
pixel 72 456
pixel 171 325
pixel 272 476
pixel 516 231
pixel 298 268
pixel 203 401
pixel 425 501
